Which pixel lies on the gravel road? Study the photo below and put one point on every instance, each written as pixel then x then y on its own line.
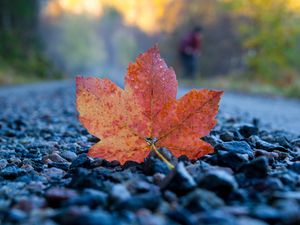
pixel 274 113
pixel 46 177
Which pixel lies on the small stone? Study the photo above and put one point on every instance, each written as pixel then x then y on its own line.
pixel 96 162
pixel 54 173
pixel 119 193
pixel 232 160
pixel 269 184
pixel 211 140
pixel 15 161
pixel 131 165
pixel 81 161
pixel 226 136
pixel 55 196
pixel 3 163
pixel 178 180
pixel 63 166
pixel 182 216
pixel 201 200
pixel 240 147
pixel 215 217
pixel 170 197
pixel 250 221
pixel 27 204
pixel 296 142
pixel 89 197
pixel 295 167
pixel 158 178
pixel 283 141
pixel 12 172
pixel 16 216
pixel 69 155
pixel 95 218
pixel 153 165
pixel 271 156
pixel 145 217
pixel 113 164
pixel 248 130
pixel 147 200
pixel 256 168
pixel 218 181
pixel 56 158
pixel 83 178
pixel 260 144
pixel 267 213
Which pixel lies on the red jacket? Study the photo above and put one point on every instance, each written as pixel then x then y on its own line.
pixel 190 44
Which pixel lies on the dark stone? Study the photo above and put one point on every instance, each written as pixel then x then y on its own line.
pixel 12 172
pixel 267 213
pixel 183 158
pixel 248 130
pixel 178 180
pixel 3 163
pixel 166 153
pixel 260 144
pixel 55 196
pixel 201 200
pixel 271 156
pixel 150 201
pixel 96 162
pixel 131 164
pixel 153 165
pixel 283 141
pixel 53 174
pixel 27 204
pixel 114 163
pixel 119 193
pixel 295 167
pixel 56 158
pixel 62 166
pixel 81 161
pixel 97 217
pixel 232 160
pixel 16 216
pixel 250 221
pixel 268 185
pixel 227 136
pixel 218 181
pixel 89 197
pixel 69 155
pixel 216 217
pixel 170 197
pixel 296 142
pixel 256 168
pixel 83 178
pixel 241 147
pixel 211 140
pixel 181 216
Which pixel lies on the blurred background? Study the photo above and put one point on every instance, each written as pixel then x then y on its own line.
pixel 242 45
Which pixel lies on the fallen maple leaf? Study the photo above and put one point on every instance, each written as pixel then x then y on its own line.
pixel 146 113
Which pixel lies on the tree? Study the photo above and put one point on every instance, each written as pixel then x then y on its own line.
pixel 270 34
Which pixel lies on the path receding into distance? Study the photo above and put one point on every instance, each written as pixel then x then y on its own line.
pixel 273 112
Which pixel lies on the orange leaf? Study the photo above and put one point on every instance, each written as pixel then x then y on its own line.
pixel 146 108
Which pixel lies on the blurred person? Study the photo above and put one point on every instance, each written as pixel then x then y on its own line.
pixel 189 50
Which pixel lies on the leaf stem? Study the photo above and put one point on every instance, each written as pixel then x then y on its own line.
pixel 162 157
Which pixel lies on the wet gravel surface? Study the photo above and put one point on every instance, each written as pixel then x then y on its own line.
pixel 47 178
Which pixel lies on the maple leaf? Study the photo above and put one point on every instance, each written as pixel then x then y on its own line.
pixel 146 109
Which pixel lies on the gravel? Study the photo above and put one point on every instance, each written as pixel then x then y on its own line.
pixel 46 177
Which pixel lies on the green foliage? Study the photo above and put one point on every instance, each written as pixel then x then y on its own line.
pixel 20 46
pixel 270 34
